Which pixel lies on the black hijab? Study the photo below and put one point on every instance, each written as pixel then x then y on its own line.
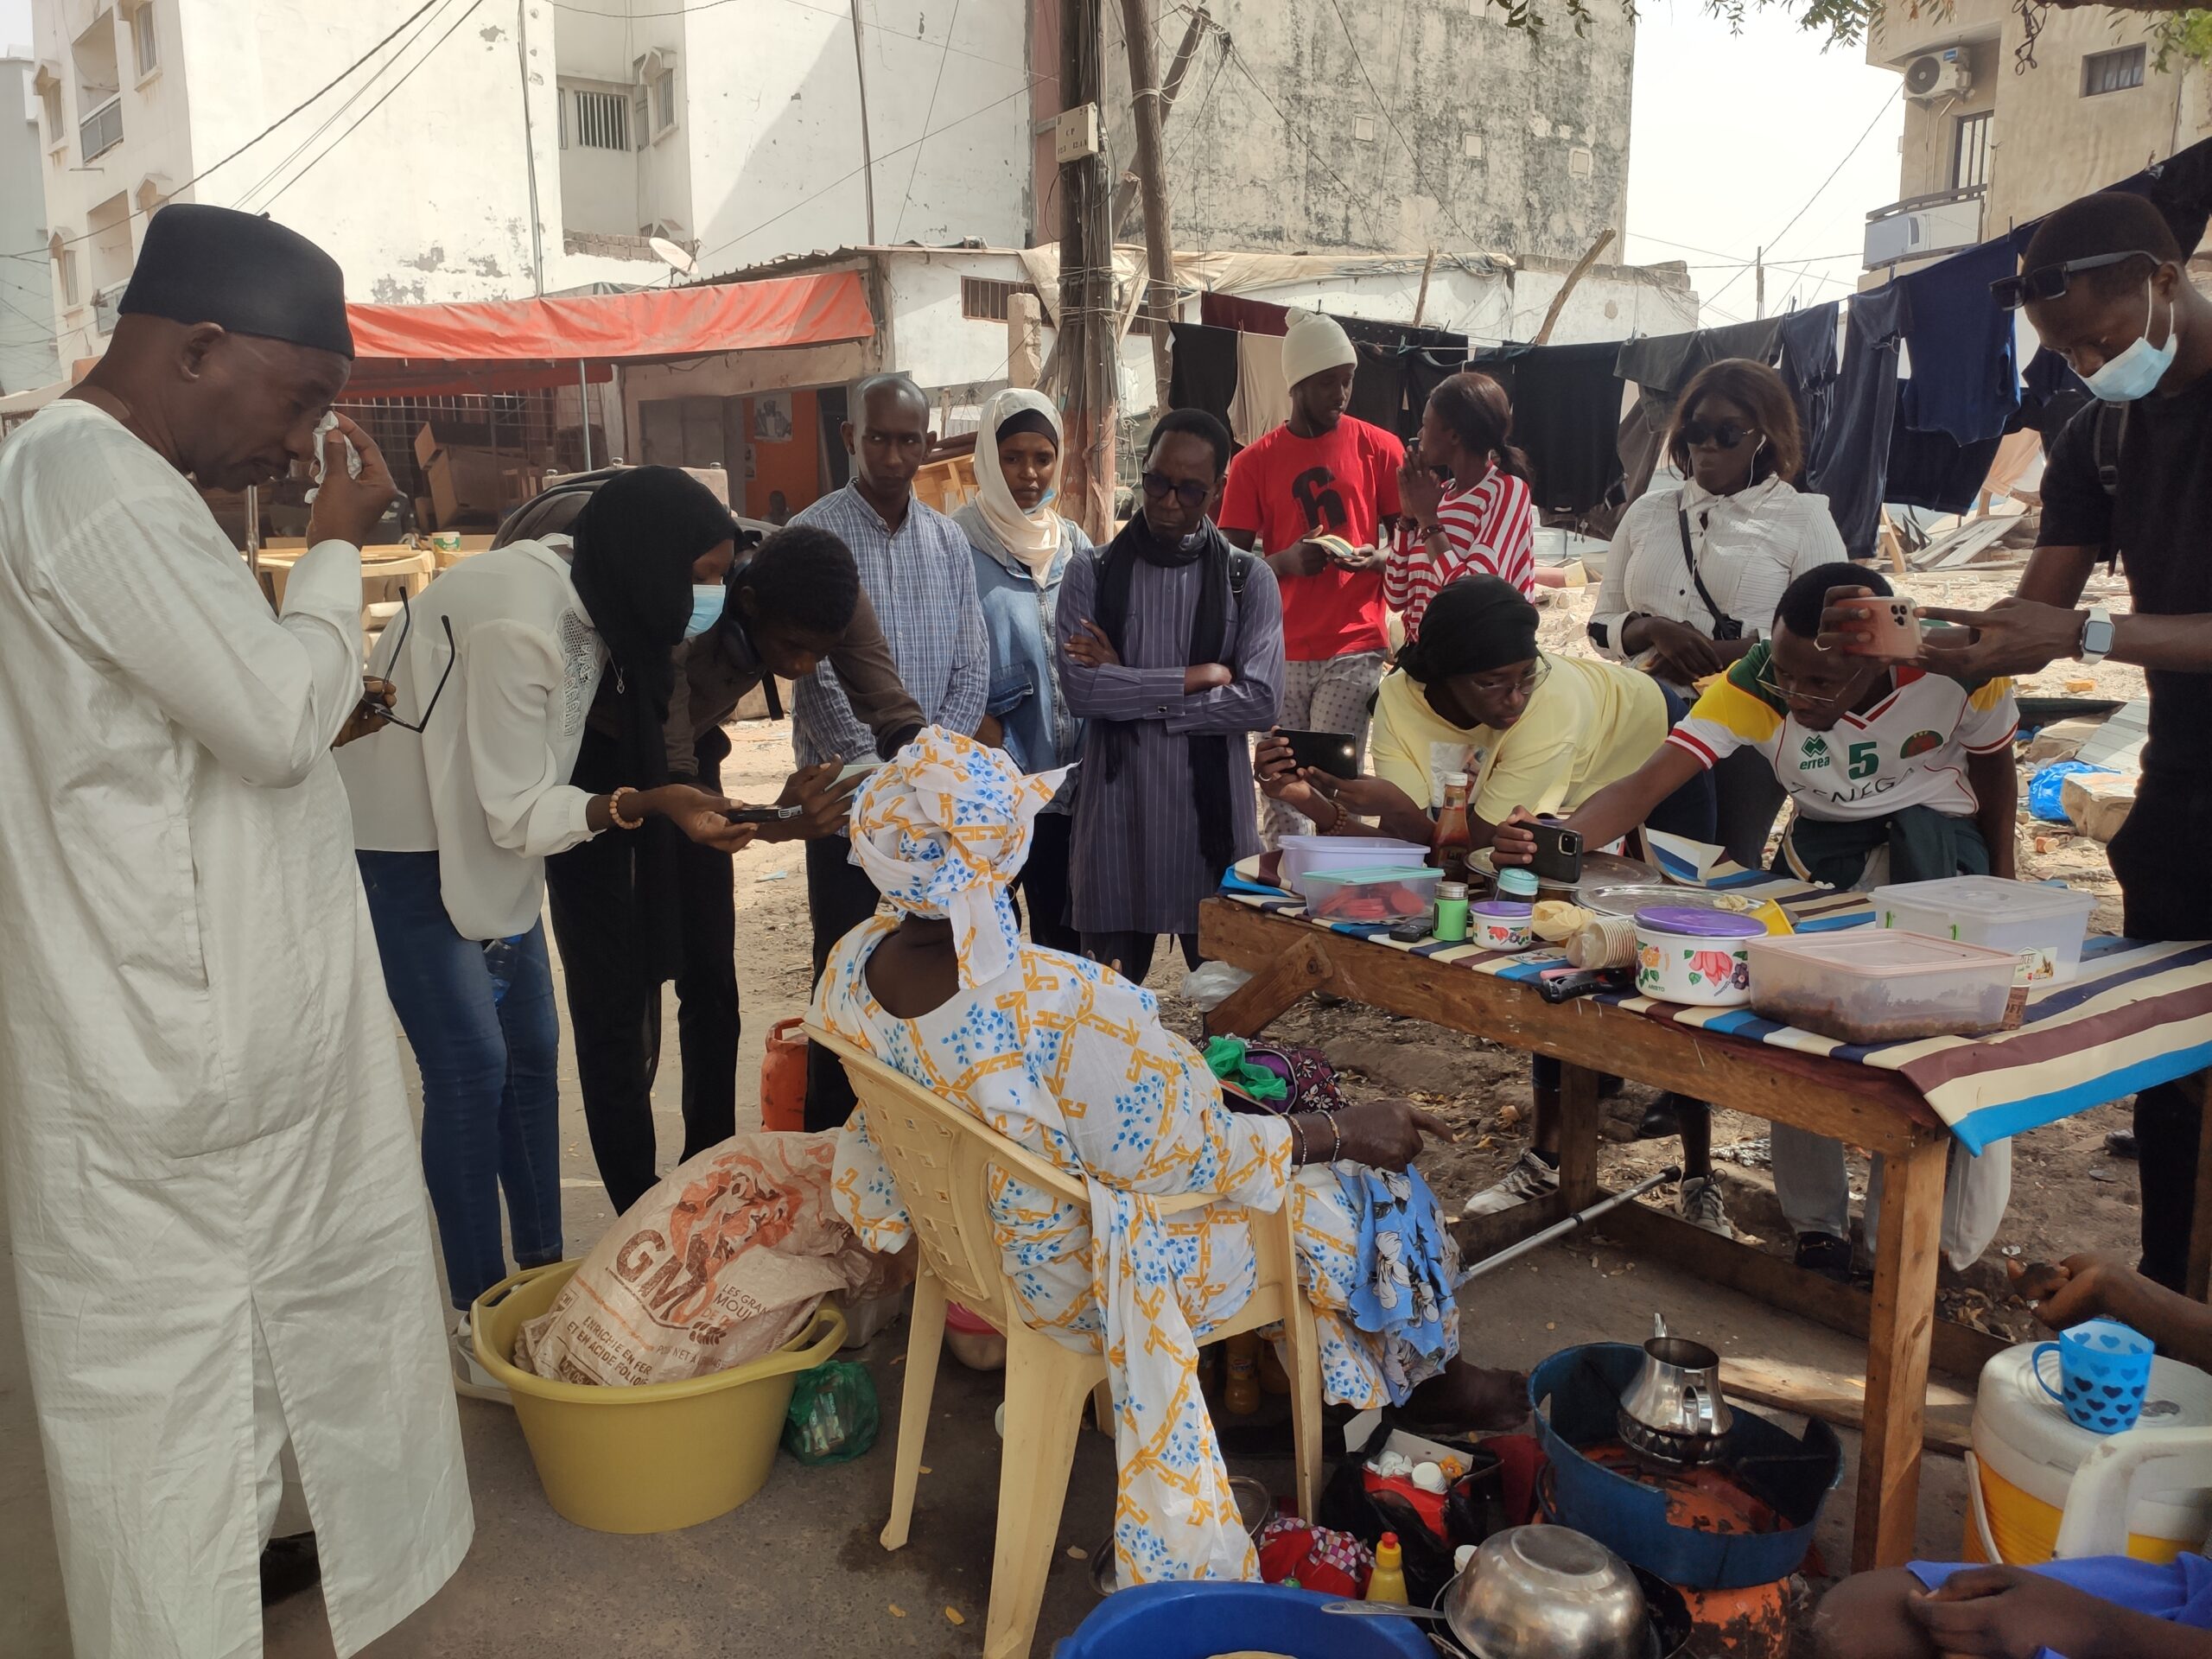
pixel 1209 757
pixel 636 541
pixel 1472 626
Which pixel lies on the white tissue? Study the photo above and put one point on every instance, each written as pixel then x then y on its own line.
pixel 323 428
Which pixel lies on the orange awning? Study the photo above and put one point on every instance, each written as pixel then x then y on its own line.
pixel 513 344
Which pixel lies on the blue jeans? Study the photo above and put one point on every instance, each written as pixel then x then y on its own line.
pixel 491 1091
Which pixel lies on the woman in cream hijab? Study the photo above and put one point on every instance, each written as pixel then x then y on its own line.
pixel 1021 547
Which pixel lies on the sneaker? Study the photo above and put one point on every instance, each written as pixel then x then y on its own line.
pixel 1703 1206
pixel 470 1379
pixel 1826 1254
pixel 1532 1176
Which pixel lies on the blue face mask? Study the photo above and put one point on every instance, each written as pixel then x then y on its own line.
pixel 2137 371
pixel 706 609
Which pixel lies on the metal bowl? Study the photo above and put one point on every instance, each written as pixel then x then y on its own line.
pixel 1549 1591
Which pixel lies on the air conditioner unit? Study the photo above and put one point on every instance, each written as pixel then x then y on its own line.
pixel 1938 74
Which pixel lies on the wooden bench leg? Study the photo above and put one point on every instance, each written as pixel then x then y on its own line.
pixel 1578 1137
pixel 1253 1006
pixel 1898 1338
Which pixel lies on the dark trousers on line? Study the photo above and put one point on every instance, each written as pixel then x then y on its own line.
pixel 2156 859
pixel 1042 886
pixel 615 1004
pixel 839 896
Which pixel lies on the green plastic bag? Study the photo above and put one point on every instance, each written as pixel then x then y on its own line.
pixel 833 1416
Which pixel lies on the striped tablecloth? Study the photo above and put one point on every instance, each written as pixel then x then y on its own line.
pixel 2136 1015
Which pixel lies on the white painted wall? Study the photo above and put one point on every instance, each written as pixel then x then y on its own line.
pixel 27 358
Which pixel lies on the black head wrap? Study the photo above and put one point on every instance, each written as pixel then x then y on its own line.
pixel 1028 420
pixel 247 273
pixel 1472 625
pixel 636 541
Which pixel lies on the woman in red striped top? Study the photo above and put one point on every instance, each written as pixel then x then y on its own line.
pixel 1484 522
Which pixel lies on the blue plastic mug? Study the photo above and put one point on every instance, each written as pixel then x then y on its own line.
pixel 2104 1367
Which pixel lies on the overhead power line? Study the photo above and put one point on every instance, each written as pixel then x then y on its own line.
pixel 1773 240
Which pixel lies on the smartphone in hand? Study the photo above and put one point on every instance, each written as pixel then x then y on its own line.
pixel 762 814
pixel 1894 622
pixel 1334 752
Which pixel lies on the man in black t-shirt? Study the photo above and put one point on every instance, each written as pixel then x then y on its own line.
pixel 2130 479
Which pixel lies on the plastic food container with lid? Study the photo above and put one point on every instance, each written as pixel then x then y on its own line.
pixel 1686 954
pixel 1302 855
pixel 1372 898
pixel 2042 927
pixel 1875 985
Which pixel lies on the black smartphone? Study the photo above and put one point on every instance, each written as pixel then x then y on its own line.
pixel 762 814
pixel 1334 752
pixel 1559 854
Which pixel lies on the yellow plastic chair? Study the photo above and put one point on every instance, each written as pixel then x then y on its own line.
pixel 941 1156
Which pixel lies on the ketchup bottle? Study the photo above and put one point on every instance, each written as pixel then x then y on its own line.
pixel 1454 842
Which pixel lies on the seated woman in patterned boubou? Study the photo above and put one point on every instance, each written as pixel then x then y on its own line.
pixel 1069 1059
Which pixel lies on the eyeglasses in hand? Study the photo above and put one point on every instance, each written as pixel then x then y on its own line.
pixel 452 655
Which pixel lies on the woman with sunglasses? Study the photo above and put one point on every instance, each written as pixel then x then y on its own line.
pixel 1695 573
pixel 1896 774
pixel 458 802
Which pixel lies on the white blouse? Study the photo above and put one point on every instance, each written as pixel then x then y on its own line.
pixel 1749 547
pixel 485 784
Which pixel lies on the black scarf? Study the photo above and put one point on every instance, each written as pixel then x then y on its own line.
pixel 636 540
pixel 1209 781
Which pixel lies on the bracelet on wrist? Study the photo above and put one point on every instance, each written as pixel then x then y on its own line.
pixel 614 810
pixel 1297 1139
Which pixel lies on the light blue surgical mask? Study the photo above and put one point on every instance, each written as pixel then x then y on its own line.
pixel 706 609
pixel 2137 371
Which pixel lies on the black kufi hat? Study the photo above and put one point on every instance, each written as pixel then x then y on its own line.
pixel 248 274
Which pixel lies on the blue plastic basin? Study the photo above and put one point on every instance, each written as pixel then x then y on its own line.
pixel 1196 1621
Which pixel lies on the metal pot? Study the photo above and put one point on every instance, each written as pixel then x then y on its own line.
pixel 1549 1591
pixel 1674 1408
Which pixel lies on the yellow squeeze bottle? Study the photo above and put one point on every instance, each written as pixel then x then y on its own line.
pixel 1387 1581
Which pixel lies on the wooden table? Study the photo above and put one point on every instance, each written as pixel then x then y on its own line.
pixel 1879 1111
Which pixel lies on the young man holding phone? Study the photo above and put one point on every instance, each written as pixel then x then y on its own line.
pixel 1897 774
pixel 1317 496
pixel 2129 483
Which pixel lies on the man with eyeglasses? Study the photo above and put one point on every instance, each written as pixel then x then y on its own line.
pixel 215 1199
pixel 2129 483
pixel 1897 773
pixel 1171 642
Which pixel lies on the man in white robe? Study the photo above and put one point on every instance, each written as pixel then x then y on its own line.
pixel 220 1237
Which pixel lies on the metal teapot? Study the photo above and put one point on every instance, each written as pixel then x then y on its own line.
pixel 1674 1409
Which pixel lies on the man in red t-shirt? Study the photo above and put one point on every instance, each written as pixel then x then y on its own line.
pixel 1321 473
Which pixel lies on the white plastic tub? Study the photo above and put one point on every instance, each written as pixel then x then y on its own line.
pixel 1876 985
pixel 2043 927
pixel 1304 856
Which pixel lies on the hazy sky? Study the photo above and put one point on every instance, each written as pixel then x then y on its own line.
pixel 1731 134
pixel 16 23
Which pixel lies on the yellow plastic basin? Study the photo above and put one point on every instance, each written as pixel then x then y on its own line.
pixel 653 1458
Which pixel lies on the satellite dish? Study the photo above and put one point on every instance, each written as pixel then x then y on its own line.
pixel 1920 78
pixel 673 255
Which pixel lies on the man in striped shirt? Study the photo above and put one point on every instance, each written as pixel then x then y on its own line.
pixel 1314 496
pixel 916 570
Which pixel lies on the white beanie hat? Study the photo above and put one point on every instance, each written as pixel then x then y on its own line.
pixel 1312 345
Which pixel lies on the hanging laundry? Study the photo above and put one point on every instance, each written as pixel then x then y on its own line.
pixel 1567 412
pixel 1666 363
pixel 1933 470
pixel 1965 380
pixel 1808 365
pixel 1851 463
pixel 1203 371
pixel 2051 394
pixel 1262 400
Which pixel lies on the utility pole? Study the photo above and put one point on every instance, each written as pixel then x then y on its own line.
pixel 867 154
pixel 1152 185
pixel 1420 300
pixel 1088 345
pixel 1125 192
pixel 1758 282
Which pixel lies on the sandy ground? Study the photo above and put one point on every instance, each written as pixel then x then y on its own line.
pixel 800 1570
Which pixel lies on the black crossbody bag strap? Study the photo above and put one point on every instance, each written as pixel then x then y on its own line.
pixel 1724 627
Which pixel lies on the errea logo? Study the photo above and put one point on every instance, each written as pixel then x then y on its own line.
pixel 1816 754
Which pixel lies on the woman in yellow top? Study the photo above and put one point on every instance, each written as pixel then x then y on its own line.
pixel 1474 694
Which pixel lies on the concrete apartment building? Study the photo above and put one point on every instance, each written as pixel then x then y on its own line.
pixel 1989 142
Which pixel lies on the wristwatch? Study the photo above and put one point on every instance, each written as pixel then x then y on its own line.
pixel 2096 636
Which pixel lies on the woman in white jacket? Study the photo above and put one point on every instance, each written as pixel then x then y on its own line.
pixel 459 802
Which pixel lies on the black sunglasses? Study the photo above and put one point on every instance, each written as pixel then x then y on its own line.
pixel 2049 282
pixel 1191 494
pixel 452 655
pixel 1727 434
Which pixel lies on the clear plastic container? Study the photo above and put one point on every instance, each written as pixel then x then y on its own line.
pixel 1373 897
pixel 2043 927
pixel 1877 985
pixel 1304 855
